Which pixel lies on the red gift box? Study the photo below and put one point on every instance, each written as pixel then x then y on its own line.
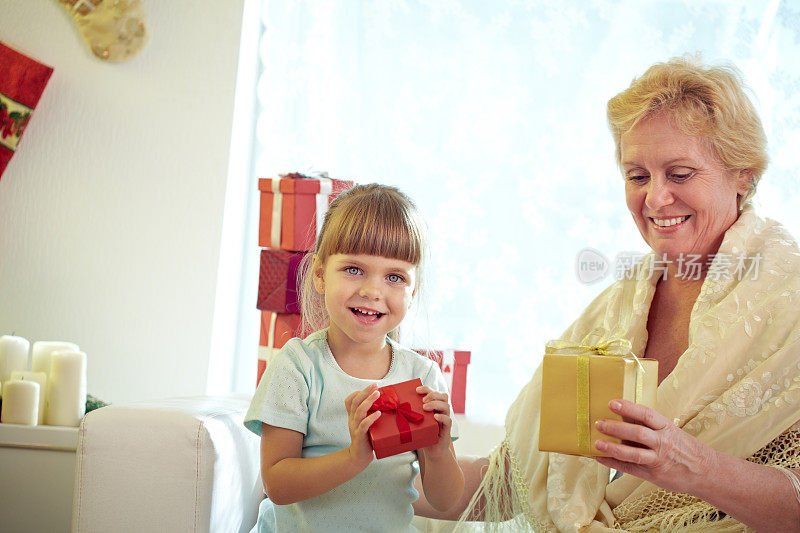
pixel 22 81
pixel 276 330
pixel 277 281
pixel 454 367
pixel 293 207
pixel 403 425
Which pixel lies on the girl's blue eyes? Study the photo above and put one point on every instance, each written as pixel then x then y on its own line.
pixel 393 278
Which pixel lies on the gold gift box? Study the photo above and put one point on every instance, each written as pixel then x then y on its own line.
pixel 610 377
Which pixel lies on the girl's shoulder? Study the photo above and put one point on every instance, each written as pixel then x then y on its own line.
pixel 305 352
pixel 407 357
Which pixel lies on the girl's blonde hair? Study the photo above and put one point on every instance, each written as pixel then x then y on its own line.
pixel 702 100
pixel 368 219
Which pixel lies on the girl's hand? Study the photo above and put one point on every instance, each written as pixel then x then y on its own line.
pixel 438 403
pixel 359 421
pixel 657 450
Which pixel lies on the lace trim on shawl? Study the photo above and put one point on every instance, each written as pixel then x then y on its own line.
pixel 503 482
pixel 672 511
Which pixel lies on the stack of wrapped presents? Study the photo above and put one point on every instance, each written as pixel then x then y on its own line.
pixel 293 207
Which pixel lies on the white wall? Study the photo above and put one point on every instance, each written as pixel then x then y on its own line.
pixel 111 209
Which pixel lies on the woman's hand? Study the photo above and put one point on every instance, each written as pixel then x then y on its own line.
pixel 438 403
pixel 655 449
pixel 359 421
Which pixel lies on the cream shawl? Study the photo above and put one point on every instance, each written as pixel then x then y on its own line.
pixel 735 388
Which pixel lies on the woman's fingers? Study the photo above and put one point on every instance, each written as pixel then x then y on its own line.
pixel 628 454
pixel 622 466
pixel 628 432
pixel 640 441
pixel 640 413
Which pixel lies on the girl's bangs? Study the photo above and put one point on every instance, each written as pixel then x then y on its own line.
pixel 390 233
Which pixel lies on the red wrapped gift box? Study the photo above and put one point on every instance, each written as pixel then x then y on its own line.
pixel 22 81
pixel 276 330
pixel 454 367
pixel 277 281
pixel 292 209
pixel 403 425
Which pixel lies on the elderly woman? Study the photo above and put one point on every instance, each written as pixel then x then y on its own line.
pixel 717 303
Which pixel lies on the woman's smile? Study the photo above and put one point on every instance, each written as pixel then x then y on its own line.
pixel 669 224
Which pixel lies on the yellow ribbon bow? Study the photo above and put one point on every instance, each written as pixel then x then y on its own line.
pixel 597 342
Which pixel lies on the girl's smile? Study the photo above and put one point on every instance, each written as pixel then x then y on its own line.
pixel 365 315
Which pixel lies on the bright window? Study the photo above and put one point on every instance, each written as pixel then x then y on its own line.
pixel 491 115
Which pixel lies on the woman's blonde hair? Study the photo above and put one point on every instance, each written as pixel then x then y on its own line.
pixel 368 219
pixel 707 101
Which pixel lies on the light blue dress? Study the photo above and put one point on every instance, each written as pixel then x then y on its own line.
pixel 303 389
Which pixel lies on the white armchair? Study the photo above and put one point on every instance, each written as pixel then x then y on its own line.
pixel 187 464
pixel 184 464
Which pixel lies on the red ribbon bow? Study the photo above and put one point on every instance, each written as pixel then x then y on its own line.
pixel 389 401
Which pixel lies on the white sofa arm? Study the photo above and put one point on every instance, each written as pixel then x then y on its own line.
pixel 183 464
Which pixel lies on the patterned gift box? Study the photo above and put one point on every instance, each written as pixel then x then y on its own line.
pixel 403 425
pixel 22 81
pixel 454 367
pixel 277 281
pixel 276 330
pixel 293 207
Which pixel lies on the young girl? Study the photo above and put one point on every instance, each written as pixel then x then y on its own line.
pixel 311 406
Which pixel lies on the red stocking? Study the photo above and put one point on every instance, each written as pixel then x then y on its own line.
pixel 22 81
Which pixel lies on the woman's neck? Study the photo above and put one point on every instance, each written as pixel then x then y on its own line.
pixel 674 286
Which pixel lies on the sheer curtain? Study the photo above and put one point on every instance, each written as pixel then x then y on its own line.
pixel 491 115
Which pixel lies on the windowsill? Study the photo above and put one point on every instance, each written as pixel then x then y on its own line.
pixel 476 438
pixel 58 438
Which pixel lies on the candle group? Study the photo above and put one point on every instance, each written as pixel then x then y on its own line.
pixel 52 393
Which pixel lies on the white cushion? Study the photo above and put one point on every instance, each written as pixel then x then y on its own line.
pixel 184 464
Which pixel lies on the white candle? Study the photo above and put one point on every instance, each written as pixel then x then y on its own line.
pixel 13 355
pixel 66 388
pixel 20 402
pixel 40 360
pixel 41 379
pixel 40 356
